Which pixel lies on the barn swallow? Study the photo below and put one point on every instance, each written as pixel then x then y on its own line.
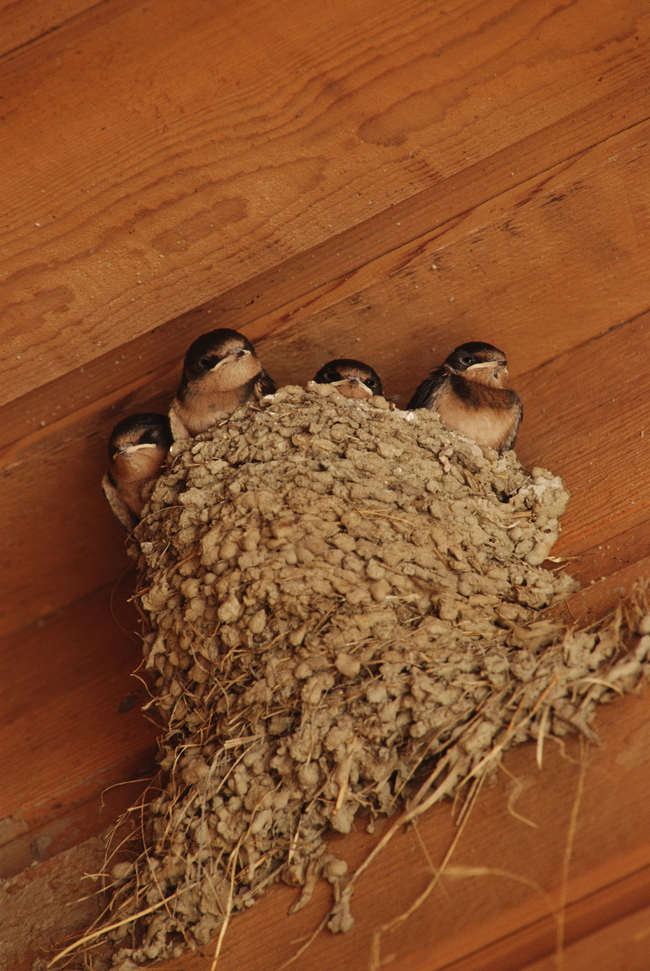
pixel 137 448
pixel 220 374
pixel 469 393
pixel 354 379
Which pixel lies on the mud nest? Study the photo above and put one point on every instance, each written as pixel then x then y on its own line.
pixel 343 610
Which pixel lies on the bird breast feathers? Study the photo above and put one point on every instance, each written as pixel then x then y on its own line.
pixel 488 425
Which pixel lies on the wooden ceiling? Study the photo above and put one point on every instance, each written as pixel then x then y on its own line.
pixel 381 180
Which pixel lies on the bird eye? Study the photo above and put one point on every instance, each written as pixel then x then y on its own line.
pixel 370 383
pixel 207 363
pixel 467 360
pixel 331 375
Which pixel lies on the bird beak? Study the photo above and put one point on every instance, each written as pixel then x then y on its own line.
pixel 483 365
pixel 232 356
pixel 353 382
pixel 128 449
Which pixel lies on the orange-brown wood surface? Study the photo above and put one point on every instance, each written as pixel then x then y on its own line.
pixel 379 180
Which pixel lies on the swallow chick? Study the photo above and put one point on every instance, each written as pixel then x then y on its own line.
pixel 469 393
pixel 220 374
pixel 354 379
pixel 137 448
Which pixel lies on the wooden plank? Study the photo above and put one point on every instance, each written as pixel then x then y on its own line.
pixel 591 425
pixel 55 471
pixel 43 904
pixel 57 527
pixel 466 914
pixel 36 836
pixel 324 274
pixel 70 725
pixel 620 946
pixel 493 921
pixel 611 350
pixel 603 595
pixel 620 904
pixel 507 144
pixel 467 279
pixel 22 21
pixel 125 209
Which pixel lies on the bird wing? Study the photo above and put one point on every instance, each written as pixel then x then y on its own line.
pixel 509 442
pixel 179 430
pixel 264 385
pixel 121 511
pixel 426 392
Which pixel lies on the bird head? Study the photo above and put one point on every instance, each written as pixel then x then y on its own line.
pixel 480 362
pixel 224 357
pixel 354 379
pixel 140 442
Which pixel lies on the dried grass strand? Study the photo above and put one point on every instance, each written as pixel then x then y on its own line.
pixel 375 953
pixel 566 862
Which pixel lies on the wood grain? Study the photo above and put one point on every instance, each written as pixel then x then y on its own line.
pixel 70 726
pixel 59 539
pixel 465 280
pixel 498 921
pixel 385 180
pixel 23 21
pixel 323 274
pixel 591 424
pixel 466 914
pixel 621 944
pixel 43 904
pixel 497 272
pixel 137 190
pixel 617 904
pixel 603 595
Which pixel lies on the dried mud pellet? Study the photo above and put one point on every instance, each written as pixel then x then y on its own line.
pixel 250 539
pixel 230 610
pixel 199 673
pixel 344 542
pixel 302 671
pixel 228 550
pixel 335 868
pixel 195 610
pixel 342 821
pixel 358 595
pixel 376 694
pixel 347 665
pixel 378 402
pixel 121 871
pixel 190 588
pixel 380 589
pixel 257 623
pixel 448 608
pixel 541 549
pixel 314 687
pixel 374 570
pixel 195 771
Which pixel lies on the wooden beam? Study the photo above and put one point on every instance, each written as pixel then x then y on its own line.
pixel 464 280
pixel 71 727
pixel 505 917
pixel 139 190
